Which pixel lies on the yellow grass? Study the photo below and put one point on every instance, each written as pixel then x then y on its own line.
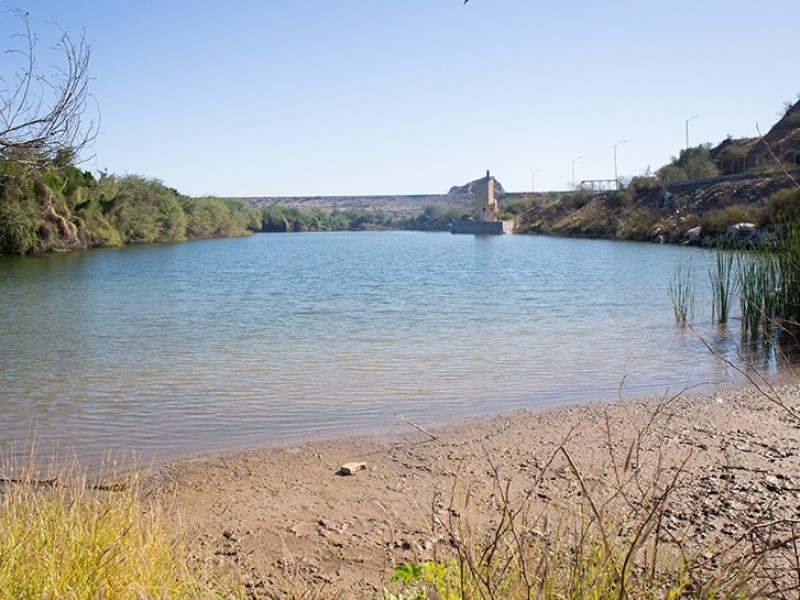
pixel 65 538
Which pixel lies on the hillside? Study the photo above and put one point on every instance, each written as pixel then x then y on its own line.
pixel 754 193
pixel 781 143
pixel 694 212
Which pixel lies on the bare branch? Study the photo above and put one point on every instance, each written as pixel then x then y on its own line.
pixel 44 114
pixel 775 158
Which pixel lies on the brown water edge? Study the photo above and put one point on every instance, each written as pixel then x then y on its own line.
pixel 281 515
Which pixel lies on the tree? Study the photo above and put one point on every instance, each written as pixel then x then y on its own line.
pixel 43 116
pixel 692 163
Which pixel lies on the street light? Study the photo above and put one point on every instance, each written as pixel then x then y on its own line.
pixel 687 129
pixel 574 160
pixel 533 181
pixel 616 177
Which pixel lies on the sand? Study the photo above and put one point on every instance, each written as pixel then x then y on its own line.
pixel 283 518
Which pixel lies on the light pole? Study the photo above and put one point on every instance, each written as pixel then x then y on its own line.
pixel 533 181
pixel 574 160
pixel 616 177
pixel 687 129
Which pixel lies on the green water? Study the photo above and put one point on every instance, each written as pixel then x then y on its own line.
pixel 175 349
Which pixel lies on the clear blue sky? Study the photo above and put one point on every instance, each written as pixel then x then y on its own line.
pixel 362 97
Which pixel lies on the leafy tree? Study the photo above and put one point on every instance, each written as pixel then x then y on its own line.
pixel 147 211
pixel 274 219
pixel 692 163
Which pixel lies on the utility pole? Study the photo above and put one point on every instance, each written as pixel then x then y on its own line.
pixel 574 160
pixel 687 129
pixel 616 176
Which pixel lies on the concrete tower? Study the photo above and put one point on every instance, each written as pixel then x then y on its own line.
pixel 485 203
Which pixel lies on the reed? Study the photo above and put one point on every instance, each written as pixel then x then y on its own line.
pixel 681 292
pixel 789 260
pixel 723 285
pixel 758 279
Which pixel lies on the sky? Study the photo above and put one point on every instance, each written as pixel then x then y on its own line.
pixel 374 97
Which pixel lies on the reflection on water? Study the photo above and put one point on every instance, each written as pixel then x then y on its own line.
pixel 172 349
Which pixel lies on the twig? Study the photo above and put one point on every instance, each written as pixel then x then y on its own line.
pixel 56 482
pixel 776 159
pixel 415 426
pixel 771 395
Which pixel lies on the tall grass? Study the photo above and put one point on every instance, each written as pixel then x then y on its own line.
pixel 66 537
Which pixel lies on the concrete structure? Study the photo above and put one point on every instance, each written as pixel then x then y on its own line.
pixel 485 203
pixel 485 222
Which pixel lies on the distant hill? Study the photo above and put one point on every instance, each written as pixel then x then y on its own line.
pixel 457 197
pixel 468 187
pixel 400 205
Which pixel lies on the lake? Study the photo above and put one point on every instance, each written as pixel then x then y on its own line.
pixel 173 349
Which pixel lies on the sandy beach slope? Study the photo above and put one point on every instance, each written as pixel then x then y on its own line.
pixel 282 517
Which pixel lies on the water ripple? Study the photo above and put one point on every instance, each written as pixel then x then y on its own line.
pixel 173 348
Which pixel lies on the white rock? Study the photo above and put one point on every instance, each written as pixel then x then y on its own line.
pixel 352 468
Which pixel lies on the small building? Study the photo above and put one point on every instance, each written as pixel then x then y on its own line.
pixel 485 221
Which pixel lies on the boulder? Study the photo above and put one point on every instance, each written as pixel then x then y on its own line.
pixel 742 230
pixel 693 236
pixel 658 235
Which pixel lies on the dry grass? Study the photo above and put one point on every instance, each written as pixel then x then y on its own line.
pixel 612 534
pixel 70 538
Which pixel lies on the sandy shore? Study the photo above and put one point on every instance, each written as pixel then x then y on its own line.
pixel 284 517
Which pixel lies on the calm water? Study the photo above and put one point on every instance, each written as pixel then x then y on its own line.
pixel 173 349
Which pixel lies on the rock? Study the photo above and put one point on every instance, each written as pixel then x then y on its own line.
pixel 692 236
pixel 658 235
pixel 741 230
pixel 351 468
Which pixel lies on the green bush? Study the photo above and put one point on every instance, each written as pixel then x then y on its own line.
pixel 638 223
pixel 692 163
pixel 783 206
pixel 147 211
pixel 717 220
pixel 20 219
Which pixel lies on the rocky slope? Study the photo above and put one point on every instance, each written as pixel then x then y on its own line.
pixel 780 144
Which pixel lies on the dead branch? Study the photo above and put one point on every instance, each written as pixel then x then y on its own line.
pixel 415 426
pixel 776 159
pixel 43 116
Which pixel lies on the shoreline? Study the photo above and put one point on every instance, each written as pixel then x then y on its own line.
pixel 281 516
pixel 393 425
